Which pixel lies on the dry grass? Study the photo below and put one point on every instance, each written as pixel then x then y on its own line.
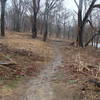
pixel 24 41
pixel 30 56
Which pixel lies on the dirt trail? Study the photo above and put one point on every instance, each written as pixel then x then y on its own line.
pixel 49 84
pixel 41 88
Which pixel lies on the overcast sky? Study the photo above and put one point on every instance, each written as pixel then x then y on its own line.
pixel 70 4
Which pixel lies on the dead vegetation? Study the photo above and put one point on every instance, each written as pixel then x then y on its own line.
pixel 22 57
pixel 82 67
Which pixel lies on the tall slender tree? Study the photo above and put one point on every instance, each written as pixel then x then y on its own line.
pixel 36 6
pixel 3 5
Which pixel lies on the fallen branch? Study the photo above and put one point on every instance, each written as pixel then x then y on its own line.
pixel 91 39
pixel 7 63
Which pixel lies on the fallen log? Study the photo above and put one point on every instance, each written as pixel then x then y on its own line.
pixel 7 63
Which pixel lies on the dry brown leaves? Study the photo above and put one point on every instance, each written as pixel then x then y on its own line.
pixel 83 64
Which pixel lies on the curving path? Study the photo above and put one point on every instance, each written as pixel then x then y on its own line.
pixel 41 87
pixel 52 83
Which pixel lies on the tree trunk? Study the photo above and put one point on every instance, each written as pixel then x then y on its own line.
pixel 18 23
pixel 34 26
pixel 2 18
pixel 80 36
pixel 46 27
pixel 58 32
pixel 97 42
pixel 46 31
pixel 64 34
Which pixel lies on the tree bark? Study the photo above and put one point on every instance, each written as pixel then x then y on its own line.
pixel 36 6
pixel 3 18
pixel 80 36
pixel 80 25
pixel 18 23
pixel 46 27
pixel 34 26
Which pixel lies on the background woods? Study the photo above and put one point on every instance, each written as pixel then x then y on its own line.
pixel 52 18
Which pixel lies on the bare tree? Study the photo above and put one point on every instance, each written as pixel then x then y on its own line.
pixel 18 9
pixel 36 6
pixel 82 20
pixel 3 4
pixel 49 6
pixel 64 20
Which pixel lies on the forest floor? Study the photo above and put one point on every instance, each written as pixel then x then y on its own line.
pixel 66 70
pixel 21 58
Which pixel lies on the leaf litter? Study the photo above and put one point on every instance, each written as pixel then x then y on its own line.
pixel 21 58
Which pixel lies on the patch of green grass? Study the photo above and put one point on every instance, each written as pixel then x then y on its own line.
pixel 72 81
